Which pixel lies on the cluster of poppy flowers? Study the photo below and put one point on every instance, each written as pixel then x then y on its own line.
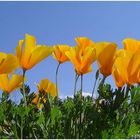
pixel 123 64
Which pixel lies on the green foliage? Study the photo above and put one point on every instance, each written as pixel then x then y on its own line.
pixel 114 114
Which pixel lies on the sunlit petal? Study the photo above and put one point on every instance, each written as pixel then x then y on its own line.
pixel 9 64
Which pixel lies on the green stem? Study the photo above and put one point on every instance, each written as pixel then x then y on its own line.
pixel 21 130
pixel 56 80
pixel 127 91
pixel 25 103
pixel 103 81
pixel 23 88
pixel 94 87
pixel 5 96
pixel 74 118
pixel 81 84
pixel 75 82
pixel 80 126
pixel 96 78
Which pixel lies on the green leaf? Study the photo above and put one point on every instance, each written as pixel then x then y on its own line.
pixel 55 115
pixel 133 130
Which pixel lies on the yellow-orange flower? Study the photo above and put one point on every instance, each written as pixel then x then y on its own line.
pixel 29 54
pixel 9 84
pixel 45 86
pixel 120 68
pixel 82 63
pixel 131 44
pixel 8 63
pixel 134 68
pixel 83 43
pixel 126 68
pixel 59 53
pixel 105 56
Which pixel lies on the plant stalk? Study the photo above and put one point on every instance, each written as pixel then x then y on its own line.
pixel 23 88
pixel 96 78
pixel 75 82
pixel 25 103
pixel 103 81
pixel 127 91
pixel 56 80
pixel 94 87
pixel 81 84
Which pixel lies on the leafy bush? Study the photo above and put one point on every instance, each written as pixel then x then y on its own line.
pixel 111 115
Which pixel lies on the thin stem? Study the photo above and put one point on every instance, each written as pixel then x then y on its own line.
pixel 81 84
pixel 21 131
pixel 103 81
pixel 75 119
pixel 96 78
pixel 56 80
pixel 94 87
pixel 5 96
pixel 81 106
pixel 23 88
pixel 127 91
pixel 25 103
pixel 75 82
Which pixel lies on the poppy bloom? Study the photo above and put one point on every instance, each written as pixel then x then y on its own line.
pixel 82 63
pixel 131 45
pixel 120 68
pixel 134 68
pixel 83 43
pixel 8 63
pixel 59 53
pixel 105 52
pixel 45 87
pixel 29 54
pixel 9 84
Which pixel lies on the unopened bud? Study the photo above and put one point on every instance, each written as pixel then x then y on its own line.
pixel 97 74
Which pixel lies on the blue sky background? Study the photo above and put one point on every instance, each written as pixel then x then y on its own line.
pixel 59 23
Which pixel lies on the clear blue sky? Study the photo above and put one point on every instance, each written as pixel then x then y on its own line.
pixel 59 23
